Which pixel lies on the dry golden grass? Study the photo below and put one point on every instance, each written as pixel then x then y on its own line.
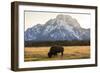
pixel 70 52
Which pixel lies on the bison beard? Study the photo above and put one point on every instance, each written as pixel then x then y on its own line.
pixel 54 50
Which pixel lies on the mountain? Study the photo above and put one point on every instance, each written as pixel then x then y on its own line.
pixel 63 27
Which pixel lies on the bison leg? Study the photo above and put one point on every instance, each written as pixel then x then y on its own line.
pixel 61 53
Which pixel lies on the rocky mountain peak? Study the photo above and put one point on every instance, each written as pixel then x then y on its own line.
pixel 63 27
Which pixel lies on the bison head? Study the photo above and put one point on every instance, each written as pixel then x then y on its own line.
pixel 49 55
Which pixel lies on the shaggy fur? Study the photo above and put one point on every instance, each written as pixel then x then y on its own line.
pixel 54 50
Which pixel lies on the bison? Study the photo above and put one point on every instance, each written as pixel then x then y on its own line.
pixel 54 50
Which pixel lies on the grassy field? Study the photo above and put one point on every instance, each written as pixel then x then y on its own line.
pixel 70 52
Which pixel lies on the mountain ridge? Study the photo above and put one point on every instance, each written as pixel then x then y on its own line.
pixel 63 27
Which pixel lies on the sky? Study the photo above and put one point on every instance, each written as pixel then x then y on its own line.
pixel 34 18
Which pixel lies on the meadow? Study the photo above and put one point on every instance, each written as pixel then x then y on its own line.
pixel 70 52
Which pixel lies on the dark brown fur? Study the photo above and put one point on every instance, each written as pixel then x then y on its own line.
pixel 54 50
